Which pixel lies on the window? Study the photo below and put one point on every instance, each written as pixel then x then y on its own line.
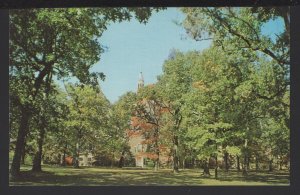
pixel 140 148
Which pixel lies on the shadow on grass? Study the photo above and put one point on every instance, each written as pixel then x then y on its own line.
pixel 274 178
pixel 83 177
pixel 67 176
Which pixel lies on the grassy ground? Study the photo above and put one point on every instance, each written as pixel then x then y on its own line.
pixel 94 176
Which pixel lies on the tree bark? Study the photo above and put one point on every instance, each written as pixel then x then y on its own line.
pixel 226 161
pixel 285 14
pixel 112 161
pixel 216 168
pixel 206 168
pixel 23 130
pixel 271 165
pixel 76 157
pixel 256 162
pixel 238 163
pixel 24 124
pixel 37 161
pixel 175 157
pixel 63 163
pixel 245 157
pixel 248 163
pixel 121 161
pixel 157 161
pixel 194 163
pixel 280 163
pixel 245 165
pixel 156 150
pixel 23 154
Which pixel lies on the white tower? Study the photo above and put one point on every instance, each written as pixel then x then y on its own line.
pixel 141 81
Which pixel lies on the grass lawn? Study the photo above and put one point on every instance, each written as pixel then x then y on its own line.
pixel 94 176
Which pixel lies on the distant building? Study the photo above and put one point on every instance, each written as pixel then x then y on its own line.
pixel 138 149
pixel 136 141
pixel 141 81
pixel 86 159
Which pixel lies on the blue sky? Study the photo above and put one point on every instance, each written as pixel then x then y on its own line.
pixel 135 47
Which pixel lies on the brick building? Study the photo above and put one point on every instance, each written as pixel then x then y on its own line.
pixel 137 146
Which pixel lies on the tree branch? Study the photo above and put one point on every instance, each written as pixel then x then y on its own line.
pixel 247 41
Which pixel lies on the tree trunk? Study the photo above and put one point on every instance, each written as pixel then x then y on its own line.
pixel 216 168
pixel 175 157
pixel 175 164
pixel 157 162
pixel 156 150
pixel 183 163
pixel 156 166
pixel 76 157
pixel 37 161
pixel 226 161
pixel 194 163
pixel 285 14
pixel 280 163
pixel 121 161
pixel 256 162
pixel 112 163
pixel 245 165
pixel 245 158
pixel 248 163
pixel 238 163
pixel 206 168
pixel 24 124
pixel 112 160
pixel 23 130
pixel 23 155
pixel 63 163
pixel 271 165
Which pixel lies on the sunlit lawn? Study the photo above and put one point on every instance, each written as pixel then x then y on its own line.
pixel 94 176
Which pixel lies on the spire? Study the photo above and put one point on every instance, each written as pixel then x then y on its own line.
pixel 141 81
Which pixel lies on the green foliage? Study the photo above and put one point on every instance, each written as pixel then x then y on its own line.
pixel 57 43
pixel 88 117
pixel 231 98
pixel 119 120
pixel 247 83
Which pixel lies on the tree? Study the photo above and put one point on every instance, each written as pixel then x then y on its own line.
pixel 57 42
pixel 261 78
pixel 88 118
pixel 173 83
pixel 120 122
pixel 148 117
pixel 242 29
pixel 48 118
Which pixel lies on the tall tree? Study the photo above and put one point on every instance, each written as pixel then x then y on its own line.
pixel 58 42
pixel 239 32
pixel 49 112
pixel 173 84
pixel 148 112
pixel 242 29
pixel 120 122
pixel 89 115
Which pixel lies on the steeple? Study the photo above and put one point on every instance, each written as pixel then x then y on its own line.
pixel 141 81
